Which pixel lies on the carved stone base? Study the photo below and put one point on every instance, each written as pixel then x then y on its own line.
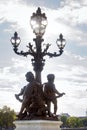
pixel 38 125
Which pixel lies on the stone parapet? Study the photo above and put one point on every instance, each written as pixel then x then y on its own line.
pixel 37 125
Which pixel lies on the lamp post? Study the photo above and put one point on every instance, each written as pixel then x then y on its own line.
pixel 38 23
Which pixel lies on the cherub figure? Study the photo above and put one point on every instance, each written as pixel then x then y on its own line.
pixel 32 93
pixel 50 93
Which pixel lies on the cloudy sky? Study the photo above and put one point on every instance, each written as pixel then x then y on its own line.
pixel 64 16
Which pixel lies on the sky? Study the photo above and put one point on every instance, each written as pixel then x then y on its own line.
pixel 64 16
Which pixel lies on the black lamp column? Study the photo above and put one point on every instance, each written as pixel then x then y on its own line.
pixel 38 61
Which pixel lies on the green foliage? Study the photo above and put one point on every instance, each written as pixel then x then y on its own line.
pixel 7 116
pixel 74 122
pixel 84 122
pixel 64 120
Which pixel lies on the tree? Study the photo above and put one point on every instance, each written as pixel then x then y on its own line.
pixel 7 116
pixel 84 121
pixel 74 122
pixel 64 120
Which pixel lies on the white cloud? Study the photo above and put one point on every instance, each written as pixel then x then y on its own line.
pixel 73 12
pixel 70 77
pixel 63 20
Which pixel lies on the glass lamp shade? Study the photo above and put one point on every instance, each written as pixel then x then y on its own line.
pixel 38 23
pixel 15 40
pixel 61 42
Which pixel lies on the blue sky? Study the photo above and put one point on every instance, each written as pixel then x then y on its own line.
pixel 64 16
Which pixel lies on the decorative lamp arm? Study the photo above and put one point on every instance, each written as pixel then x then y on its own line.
pixel 60 44
pixel 30 48
pixel 22 53
pixel 47 47
pixel 54 54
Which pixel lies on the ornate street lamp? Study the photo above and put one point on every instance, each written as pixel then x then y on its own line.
pixel 38 23
pixel 15 41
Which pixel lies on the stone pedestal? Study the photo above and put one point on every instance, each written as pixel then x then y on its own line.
pixel 38 125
